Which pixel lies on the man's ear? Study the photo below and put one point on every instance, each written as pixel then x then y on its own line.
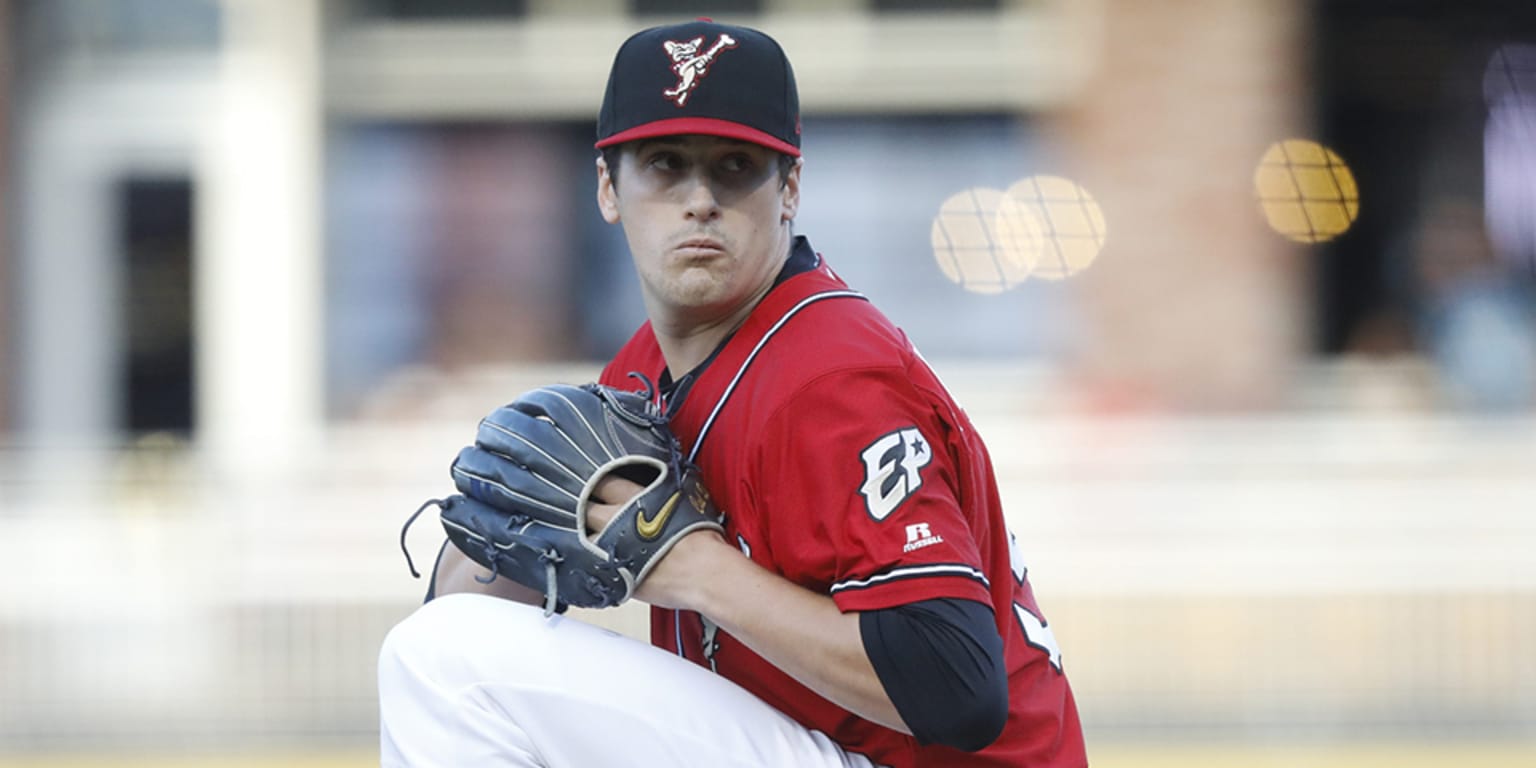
pixel 607 194
pixel 791 192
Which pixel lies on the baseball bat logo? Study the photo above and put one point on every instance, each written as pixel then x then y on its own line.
pixel 690 66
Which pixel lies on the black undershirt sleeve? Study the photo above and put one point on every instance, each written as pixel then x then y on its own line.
pixel 941 662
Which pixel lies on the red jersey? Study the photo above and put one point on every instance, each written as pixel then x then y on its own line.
pixel 842 464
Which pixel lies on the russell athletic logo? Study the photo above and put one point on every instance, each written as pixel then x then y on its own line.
pixel 893 466
pixel 690 65
pixel 918 536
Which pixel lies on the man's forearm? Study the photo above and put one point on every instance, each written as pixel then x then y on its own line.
pixel 800 632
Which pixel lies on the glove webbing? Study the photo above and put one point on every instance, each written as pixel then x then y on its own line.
pixel 652 418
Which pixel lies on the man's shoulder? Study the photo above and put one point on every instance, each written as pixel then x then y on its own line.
pixel 847 343
pixel 841 345
pixel 641 353
pixel 816 316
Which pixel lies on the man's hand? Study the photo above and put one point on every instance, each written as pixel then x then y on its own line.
pixel 610 494
pixel 671 581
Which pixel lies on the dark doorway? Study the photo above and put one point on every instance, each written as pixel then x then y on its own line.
pixel 157 364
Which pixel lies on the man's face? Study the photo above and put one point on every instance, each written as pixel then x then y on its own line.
pixel 706 219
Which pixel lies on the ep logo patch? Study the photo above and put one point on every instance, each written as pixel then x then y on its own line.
pixel 893 466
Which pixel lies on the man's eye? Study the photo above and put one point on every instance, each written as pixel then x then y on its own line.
pixel 736 163
pixel 665 161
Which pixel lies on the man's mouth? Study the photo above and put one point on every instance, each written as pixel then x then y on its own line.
pixel 700 246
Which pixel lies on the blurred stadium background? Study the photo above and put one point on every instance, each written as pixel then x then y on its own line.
pixel 1241 294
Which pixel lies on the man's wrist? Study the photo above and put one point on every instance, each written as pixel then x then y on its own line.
pixel 698 564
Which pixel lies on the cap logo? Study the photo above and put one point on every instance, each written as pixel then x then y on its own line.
pixel 690 65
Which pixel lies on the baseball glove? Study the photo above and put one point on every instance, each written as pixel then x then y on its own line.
pixel 526 485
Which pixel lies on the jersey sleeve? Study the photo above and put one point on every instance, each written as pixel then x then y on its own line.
pixel 859 474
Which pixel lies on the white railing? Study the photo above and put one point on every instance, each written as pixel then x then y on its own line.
pixel 1337 571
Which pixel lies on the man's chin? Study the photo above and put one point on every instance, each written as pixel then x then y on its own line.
pixel 696 287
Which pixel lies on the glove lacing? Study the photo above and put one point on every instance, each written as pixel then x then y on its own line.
pixel 549 556
pixel 440 504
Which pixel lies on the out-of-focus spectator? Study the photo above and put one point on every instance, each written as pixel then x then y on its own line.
pixel 1479 318
pixel 1509 155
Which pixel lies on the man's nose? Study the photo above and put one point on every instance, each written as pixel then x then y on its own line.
pixel 700 201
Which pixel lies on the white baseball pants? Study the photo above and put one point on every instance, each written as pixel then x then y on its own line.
pixel 473 680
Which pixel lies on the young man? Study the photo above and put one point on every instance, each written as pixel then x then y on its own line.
pixel 865 607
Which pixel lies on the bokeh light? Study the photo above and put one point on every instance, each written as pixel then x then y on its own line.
pixel 988 241
pixel 1072 224
pixel 985 241
pixel 1306 190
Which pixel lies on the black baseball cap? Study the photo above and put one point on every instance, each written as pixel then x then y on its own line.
pixel 701 77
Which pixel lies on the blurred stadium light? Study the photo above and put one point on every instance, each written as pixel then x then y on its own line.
pixel 1306 190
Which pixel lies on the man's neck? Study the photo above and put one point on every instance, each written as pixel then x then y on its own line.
pixel 688 339
pixel 685 343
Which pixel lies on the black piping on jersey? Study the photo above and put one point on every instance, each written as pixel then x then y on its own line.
pixel 731 387
pixel 912 572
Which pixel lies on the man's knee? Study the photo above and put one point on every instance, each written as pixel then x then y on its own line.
pixel 453 635
pixel 429 627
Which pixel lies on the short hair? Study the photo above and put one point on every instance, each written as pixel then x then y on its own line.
pixel 612 152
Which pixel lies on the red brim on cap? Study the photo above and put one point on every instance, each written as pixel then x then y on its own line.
pixel 707 126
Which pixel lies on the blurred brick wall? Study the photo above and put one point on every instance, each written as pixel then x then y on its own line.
pixel 5 202
pixel 503 284
pixel 1194 302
